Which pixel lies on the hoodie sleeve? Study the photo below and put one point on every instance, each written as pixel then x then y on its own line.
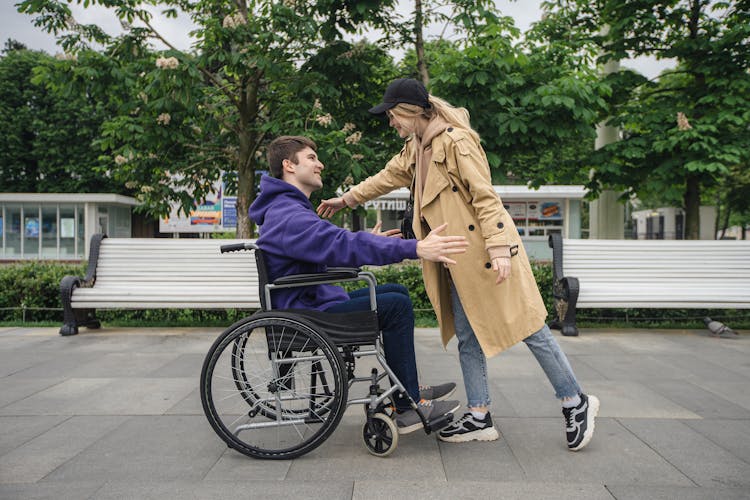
pixel 306 237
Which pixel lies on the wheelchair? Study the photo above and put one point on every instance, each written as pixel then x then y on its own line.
pixel 275 385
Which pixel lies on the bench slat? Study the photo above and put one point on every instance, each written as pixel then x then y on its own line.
pixel 143 273
pixel 659 273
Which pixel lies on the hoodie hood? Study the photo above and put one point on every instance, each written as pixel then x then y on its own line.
pixel 273 191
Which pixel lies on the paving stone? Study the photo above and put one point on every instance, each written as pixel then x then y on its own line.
pixel 14 388
pixel 37 458
pixel 706 463
pixel 698 400
pixel 224 490
pixel 125 364
pixel 516 490
pixel 47 491
pixel 189 405
pixel 18 430
pixel 628 399
pixel 147 448
pixel 60 399
pixel 640 492
pixel 732 435
pixel 185 365
pixel 735 390
pixel 614 456
pixel 344 457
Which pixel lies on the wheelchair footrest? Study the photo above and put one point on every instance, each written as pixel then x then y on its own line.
pixel 438 423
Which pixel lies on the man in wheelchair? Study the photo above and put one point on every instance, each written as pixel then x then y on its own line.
pixel 296 241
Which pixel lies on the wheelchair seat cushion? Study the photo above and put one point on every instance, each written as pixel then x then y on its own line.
pixel 352 328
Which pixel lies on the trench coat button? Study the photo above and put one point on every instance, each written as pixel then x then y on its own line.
pixel 450 129
pixel 455 189
pixel 471 227
pixel 500 225
pixel 487 265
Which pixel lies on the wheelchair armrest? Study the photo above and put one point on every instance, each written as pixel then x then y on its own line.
pixel 333 274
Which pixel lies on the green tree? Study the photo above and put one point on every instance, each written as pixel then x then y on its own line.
pixel 686 131
pixel 187 115
pixel 46 137
pixel 534 104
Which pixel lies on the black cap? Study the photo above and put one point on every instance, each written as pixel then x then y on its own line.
pixel 403 90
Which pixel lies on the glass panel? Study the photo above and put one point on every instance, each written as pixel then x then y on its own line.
pixel 67 231
pixel 49 232
pixel 120 222
pixel 13 231
pixel 31 231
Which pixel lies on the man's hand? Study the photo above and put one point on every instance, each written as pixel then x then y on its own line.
pixel 328 207
pixel 501 265
pixel 393 233
pixel 436 248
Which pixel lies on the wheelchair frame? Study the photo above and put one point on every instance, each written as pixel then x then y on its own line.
pixel 326 336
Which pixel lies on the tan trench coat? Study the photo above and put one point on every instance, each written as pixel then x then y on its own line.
pixel 458 190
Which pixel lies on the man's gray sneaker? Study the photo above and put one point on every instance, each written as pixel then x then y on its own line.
pixel 437 392
pixel 409 420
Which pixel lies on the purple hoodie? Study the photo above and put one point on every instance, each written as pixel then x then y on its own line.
pixel 296 241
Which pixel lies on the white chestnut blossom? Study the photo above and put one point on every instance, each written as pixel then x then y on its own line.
pixel 167 62
pixel 354 138
pixel 682 122
pixel 324 120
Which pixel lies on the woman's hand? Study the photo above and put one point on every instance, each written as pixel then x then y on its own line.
pixel 501 265
pixel 436 248
pixel 392 233
pixel 328 207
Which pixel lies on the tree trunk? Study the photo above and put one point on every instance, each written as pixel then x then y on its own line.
pixel 725 224
pixel 245 186
pixel 692 207
pixel 419 42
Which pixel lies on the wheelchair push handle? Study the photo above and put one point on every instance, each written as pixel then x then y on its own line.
pixel 237 247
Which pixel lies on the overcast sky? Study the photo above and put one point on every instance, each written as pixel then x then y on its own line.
pixel 20 27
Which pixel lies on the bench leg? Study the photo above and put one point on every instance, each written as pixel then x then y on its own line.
pixel 70 323
pixel 566 296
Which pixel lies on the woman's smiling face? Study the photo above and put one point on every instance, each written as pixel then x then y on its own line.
pixel 401 125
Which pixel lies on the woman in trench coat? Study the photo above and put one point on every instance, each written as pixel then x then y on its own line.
pixel 489 299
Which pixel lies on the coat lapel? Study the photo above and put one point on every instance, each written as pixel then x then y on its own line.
pixel 437 177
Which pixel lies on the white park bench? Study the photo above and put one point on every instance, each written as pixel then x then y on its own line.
pixel 659 274
pixel 158 273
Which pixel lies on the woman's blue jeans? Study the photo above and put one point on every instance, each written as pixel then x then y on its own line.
pixel 542 344
pixel 396 320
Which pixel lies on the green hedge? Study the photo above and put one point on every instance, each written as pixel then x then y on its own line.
pixel 35 286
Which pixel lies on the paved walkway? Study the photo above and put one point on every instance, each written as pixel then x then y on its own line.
pixel 116 414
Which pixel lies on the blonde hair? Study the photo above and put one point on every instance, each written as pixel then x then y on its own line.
pixel 458 117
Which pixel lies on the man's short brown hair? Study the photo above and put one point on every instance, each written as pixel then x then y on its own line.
pixel 286 147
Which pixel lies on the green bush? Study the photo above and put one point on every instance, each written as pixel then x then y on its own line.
pixel 34 285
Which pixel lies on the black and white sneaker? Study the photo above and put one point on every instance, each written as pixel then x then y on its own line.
pixel 579 422
pixel 469 428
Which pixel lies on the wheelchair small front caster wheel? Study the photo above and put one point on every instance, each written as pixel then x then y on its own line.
pixel 380 435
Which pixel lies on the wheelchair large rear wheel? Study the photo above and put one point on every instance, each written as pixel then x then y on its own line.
pixel 273 386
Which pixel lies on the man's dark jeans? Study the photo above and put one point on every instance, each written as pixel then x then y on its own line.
pixel 396 320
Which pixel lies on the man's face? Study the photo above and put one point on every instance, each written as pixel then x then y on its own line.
pixel 305 174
